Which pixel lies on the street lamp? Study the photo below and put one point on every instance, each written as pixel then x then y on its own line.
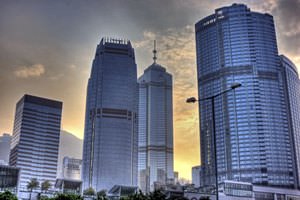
pixel 212 100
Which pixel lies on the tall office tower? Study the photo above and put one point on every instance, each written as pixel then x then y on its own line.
pixel 293 101
pixel 155 127
pixel 253 138
pixel 196 175
pixel 71 168
pixel 110 136
pixel 35 140
pixel 4 148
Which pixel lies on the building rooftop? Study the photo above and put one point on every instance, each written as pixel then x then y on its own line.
pixel 41 101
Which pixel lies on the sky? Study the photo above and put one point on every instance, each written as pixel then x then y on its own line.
pixel 47 47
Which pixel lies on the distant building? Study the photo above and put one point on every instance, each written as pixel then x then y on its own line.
pixel 110 135
pixel 71 168
pixel 196 176
pixel 155 127
pixel 9 178
pixel 4 148
pixel 176 177
pixel 35 141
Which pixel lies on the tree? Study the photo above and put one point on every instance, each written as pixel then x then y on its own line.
pixel 32 184
pixel 157 195
pixel 7 196
pixel 45 186
pixel 67 197
pixel 101 195
pixel 137 196
pixel 89 191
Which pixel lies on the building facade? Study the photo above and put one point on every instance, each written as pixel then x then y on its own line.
pixel 292 89
pixel 253 138
pixel 71 168
pixel 196 175
pixel 110 136
pixel 155 128
pixel 9 178
pixel 4 148
pixel 35 140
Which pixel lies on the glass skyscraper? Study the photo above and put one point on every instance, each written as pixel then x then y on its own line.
pixel 155 165
pixel 292 89
pixel 35 140
pixel 253 137
pixel 110 135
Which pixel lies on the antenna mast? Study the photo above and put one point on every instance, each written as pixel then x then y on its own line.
pixel 154 52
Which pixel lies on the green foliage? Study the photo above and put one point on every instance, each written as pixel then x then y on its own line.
pixel 89 191
pixel 157 195
pixel 46 185
pixel 43 197
pixel 101 195
pixel 67 197
pixel 33 184
pixel 137 196
pixel 7 196
pixel 62 197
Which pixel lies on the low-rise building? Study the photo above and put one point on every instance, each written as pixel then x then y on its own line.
pixel 196 175
pixel 9 178
pixel 68 186
pixel 236 190
pixel 72 168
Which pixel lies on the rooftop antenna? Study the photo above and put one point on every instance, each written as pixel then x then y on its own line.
pixel 154 52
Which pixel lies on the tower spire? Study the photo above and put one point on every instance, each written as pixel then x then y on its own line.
pixel 154 52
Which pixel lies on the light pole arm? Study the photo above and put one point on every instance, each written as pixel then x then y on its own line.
pixel 214 134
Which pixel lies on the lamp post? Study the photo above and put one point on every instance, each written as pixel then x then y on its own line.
pixel 212 100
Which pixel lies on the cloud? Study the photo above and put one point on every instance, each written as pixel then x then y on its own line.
pixel 36 70
pixel 287 12
pixel 287 19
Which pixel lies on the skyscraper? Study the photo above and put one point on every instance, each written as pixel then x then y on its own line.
pixel 155 127
pixel 292 89
pixel 110 136
pixel 253 138
pixel 35 140
pixel 4 148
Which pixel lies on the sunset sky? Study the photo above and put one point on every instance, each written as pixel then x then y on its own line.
pixel 47 47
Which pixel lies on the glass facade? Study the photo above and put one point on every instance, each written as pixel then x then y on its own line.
pixel 35 140
pixel 196 175
pixel 4 148
pixel 9 177
pixel 155 128
pixel 293 101
pixel 253 138
pixel 237 189
pixel 110 135
pixel 71 168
